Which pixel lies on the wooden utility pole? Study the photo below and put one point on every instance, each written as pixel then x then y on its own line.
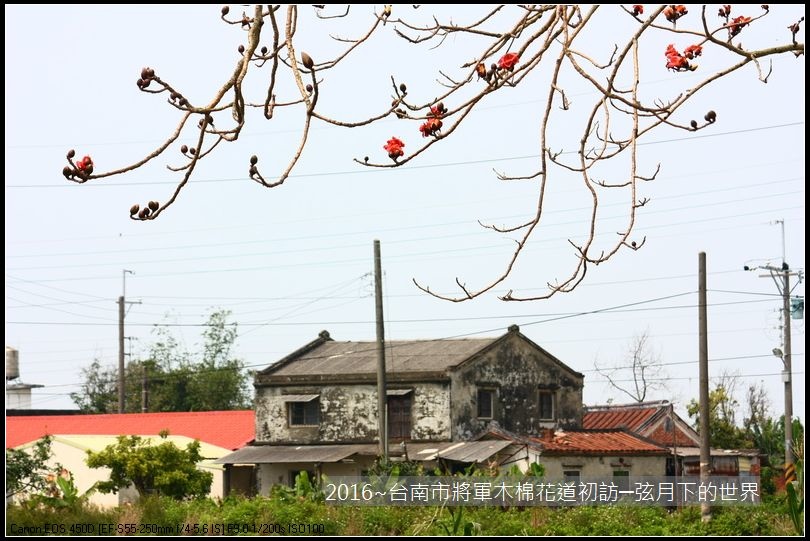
pixel 382 409
pixel 703 361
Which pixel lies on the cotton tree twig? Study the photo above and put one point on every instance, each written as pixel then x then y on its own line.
pixel 514 44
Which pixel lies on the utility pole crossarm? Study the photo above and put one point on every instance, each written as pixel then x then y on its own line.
pixel 781 277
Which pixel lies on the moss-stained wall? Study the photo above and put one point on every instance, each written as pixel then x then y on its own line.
pixel 517 371
pixel 348 413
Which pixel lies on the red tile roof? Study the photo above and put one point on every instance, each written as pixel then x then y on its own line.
pixel 629 417
pixel 598 442
pixel 228 429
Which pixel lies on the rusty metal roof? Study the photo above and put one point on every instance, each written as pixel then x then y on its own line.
pixel 276 454
pixel 629 416
pixel 346 358
pixel 598 442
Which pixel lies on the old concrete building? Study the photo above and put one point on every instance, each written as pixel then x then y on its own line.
pixel 316 409
pixel 438 390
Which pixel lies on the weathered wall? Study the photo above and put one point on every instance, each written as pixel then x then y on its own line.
pixel 279 474
pixel 348 413
pixel 517 371
pixel 592 467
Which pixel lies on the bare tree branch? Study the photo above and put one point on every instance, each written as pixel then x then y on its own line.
pixel 640 373
pixel 504 48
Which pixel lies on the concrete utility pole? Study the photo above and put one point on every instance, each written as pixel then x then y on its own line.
pixel 787 375
pixel 703 360
pixel 781 277
pixel 121 379
pixel 121 364
pixel 144 390
pixel 382 395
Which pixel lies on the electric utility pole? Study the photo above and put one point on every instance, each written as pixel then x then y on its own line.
pixel 382 393
pixel 703 361
pixel 781 277
pixel 121 365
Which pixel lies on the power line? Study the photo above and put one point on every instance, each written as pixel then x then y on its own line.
pixel 413 167
pixel 209 245
pixel 619 309
pixel 333 247
pixel 701 173
pixel 688 378
pixel 207 370
pixel 459 251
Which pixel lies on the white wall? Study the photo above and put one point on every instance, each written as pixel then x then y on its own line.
pixel 592 467
pixel 18 399
pixel 72 458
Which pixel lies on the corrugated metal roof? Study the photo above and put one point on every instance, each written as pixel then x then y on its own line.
pixel 228 429
pixel 695 452
pixel 631 418
pixel 299 397
pixel 474 451
pixel 458 451
pixel 596 442
pixel 333 357
pixel 285 454
pixel 463 451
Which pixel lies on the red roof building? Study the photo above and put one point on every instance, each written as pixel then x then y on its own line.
pixel 228 429
pixel 597 443
pixel 656 421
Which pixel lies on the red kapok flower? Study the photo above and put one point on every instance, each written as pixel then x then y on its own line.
pixel 85 165
pixel 481 70
pixel 692 51
pixel 430 127
pixel 394 148
pixel 678 62
pixel 724 11
pixel 508 61
pixel 638 9
pixel 674 12
pixel 736 25
pixel 438 110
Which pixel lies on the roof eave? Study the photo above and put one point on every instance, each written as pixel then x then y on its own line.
pixel 263 380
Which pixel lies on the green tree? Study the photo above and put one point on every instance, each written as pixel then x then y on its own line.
pixel 163 469
pixel 27 469
pixel 210 378
pixel 99 389
pixel 723 431
pixel 219 381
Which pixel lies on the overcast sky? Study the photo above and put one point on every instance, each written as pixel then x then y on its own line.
pixel 296 259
